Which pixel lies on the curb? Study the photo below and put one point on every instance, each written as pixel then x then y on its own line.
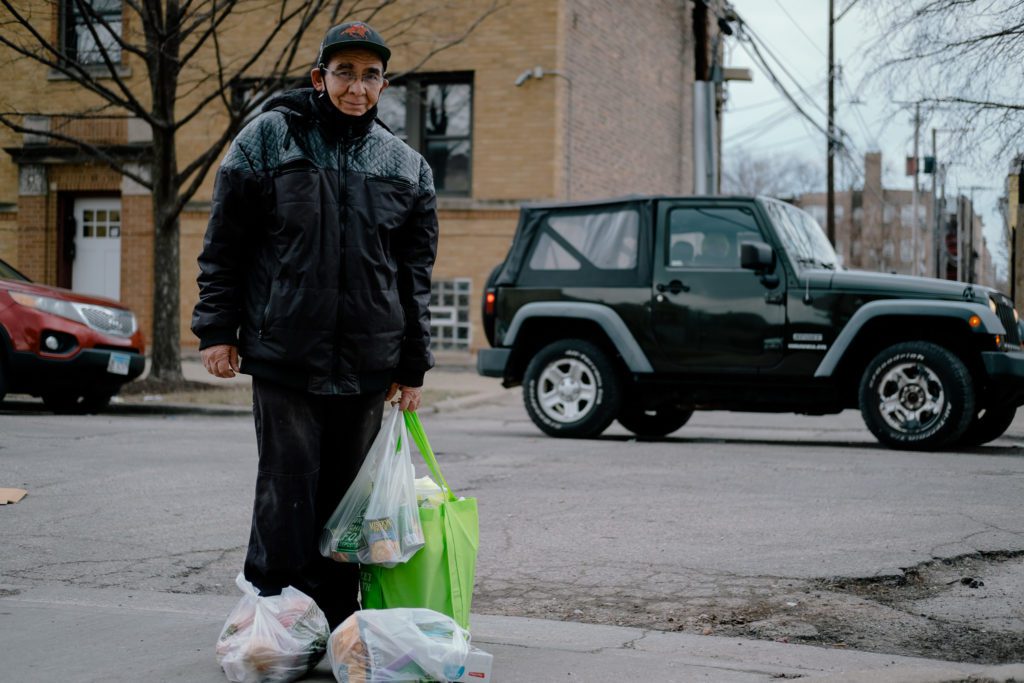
pixel 159 408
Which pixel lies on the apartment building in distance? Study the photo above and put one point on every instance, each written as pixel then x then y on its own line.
pixel 545 100
pixel 876 230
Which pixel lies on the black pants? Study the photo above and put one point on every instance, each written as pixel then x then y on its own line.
pixel 310 449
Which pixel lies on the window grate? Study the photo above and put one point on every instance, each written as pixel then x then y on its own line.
pixel 450 327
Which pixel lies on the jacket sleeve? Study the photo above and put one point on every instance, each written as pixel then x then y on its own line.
pixel 414 255
pixel 223 260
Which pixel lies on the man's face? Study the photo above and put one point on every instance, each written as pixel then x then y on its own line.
pixel 354 80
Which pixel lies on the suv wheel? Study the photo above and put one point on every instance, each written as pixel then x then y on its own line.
pixel 77 404
pixel 991 424
pixel 570 389
pixel 916 395
pixel 3 381
pixel 658 422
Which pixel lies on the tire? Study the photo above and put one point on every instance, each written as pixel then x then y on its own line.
pixel 917 396
pixel 988 425
pixel 571 389
pixel 3 380
pixel 77 404
pixel 653 423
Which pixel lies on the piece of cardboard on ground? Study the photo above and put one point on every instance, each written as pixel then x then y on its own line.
pixel 11 495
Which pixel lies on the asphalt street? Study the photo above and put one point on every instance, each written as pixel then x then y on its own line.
pixel 731 511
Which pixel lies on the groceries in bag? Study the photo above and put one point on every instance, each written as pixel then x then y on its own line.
pixel 380 646
pixel 377 521
pixel 440 576
pixel 271 639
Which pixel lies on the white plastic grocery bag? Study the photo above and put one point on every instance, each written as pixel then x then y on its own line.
pixel 402 644
pixel 377 520
pixel 272 639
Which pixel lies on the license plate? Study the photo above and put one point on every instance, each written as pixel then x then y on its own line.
pixel 118 363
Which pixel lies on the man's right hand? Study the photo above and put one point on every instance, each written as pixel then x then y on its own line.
pixel 220 360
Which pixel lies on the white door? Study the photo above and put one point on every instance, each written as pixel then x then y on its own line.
pixel 97 266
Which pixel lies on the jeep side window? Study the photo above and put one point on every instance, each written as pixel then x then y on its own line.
pixel 550 255
pixel 599 247
pixel 709 237
pixel 606 240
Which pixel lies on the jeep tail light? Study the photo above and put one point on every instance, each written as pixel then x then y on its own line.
pixel 489 298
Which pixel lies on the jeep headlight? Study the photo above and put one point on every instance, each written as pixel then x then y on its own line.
pixel 113 321
pixel 992 305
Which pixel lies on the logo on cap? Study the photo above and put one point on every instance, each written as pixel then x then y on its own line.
pixel 357 30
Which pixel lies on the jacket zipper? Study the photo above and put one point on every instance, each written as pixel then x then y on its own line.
pixel 343 195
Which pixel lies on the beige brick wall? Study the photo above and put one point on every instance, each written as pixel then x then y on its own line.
pixel 9 236
pixel 631 67
pixel 632 70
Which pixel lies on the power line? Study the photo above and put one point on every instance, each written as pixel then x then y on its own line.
pixel 751 48
pixel 799 28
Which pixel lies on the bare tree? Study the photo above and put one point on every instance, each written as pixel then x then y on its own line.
pixel 192 76
pixel 774 175
pixel 964 59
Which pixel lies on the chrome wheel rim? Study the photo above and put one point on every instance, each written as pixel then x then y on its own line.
pixel 910 398
pixel 566 390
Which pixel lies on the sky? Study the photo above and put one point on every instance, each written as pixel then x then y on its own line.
pixel 758 119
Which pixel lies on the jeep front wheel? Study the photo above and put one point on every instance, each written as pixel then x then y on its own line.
pixel 916 396
pixel 656 422
pixel 570 389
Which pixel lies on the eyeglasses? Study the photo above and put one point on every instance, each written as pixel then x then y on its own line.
pixel 347 78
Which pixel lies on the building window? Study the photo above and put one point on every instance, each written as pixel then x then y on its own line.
pixel 449 314
pixel 91 27
pixel 433 113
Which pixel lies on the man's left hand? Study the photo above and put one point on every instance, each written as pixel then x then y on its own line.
pixel 406 398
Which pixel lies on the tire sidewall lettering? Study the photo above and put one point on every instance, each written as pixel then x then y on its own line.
pixel 940 371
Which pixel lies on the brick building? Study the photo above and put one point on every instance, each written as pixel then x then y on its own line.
pixel 604 107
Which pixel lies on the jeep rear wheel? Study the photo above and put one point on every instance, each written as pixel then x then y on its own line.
pixel 916 396
pixel 988 425
pixel 657 422
pixel 570 389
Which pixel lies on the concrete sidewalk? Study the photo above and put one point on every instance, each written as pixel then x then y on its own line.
pixel 454 372
pixel 70 635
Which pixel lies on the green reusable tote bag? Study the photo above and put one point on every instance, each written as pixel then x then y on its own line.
pixel 440 575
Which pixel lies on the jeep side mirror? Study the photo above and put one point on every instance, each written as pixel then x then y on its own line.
pixel 757 256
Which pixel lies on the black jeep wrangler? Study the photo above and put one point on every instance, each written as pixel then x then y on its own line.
pixel 644 309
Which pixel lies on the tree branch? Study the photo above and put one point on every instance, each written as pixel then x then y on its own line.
pixel 91 150
pixel 496 6
pixel 74 71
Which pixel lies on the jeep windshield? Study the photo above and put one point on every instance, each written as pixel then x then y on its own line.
pixel 802 237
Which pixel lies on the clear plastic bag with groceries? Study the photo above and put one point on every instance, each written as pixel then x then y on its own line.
pixel 377 520
pixel 403 644
pixel 271 639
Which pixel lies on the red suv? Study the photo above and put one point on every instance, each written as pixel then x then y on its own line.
pixel 73 350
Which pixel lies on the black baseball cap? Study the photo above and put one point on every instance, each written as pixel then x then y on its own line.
pixel 353 34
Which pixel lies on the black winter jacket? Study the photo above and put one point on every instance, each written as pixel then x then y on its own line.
pixel 318 253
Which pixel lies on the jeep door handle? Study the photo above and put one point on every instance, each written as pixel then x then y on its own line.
pixel 673 287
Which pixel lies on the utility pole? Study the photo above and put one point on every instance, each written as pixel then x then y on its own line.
pixel 913 220
pixel 830 219
pixel 935 208
pixel 1017 232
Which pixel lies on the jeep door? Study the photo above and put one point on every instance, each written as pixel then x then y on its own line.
pixel 708 313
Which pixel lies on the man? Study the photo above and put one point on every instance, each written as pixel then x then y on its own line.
pixel 717 250
pixel 316 271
